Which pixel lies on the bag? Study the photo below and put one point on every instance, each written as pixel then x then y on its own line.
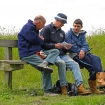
pixel 41 54
pixel 71 88
pixel 82 63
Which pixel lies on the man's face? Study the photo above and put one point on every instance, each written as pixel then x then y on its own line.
pixel 41 24
pixel 59 24
pixel 77 27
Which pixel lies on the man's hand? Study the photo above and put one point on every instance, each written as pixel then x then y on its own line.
pixel 81 54
pixel 41 37
pixel 58 46
pixel 68 46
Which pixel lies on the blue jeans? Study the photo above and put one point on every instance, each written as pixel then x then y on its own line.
pixel 64 61
pixel 34 60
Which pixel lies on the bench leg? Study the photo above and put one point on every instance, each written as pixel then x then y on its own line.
pixel 8 78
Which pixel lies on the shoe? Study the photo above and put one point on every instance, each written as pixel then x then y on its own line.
pixel 64 90
pixel 44 67
pixel 83 91
pixel 93 88
pixel 50 92
pixel 100 79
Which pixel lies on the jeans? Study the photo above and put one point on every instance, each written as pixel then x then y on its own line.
pixel 34 60
pixel 64 61
pixel 95 61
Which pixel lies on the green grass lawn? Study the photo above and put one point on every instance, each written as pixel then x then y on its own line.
pixel 27 83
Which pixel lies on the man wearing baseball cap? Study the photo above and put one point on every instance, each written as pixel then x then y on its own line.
pixel 54 38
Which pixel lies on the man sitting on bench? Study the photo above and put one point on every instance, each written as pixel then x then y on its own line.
pixel 30 50
pixel 76 37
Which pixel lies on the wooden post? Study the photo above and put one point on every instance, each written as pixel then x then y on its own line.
pixel 8 74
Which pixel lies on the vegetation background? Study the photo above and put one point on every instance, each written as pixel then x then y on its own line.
pixel 27 82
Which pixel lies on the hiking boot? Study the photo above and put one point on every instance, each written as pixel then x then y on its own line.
pixel 44 67
pixel 82 90
pixel 92 84
pixel 50 92
pixel 64 90
pixel 100 79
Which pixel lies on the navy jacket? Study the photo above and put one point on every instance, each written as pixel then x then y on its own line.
pixel 28 41
pixel 52 36
pixel 78 42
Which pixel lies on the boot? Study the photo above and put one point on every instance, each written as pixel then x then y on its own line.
pixel 64 90
pixel 82 90
pixel 44 67
pixel 92 84
pixel 100 79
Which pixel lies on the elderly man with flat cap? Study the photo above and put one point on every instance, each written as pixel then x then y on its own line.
pixel 55 38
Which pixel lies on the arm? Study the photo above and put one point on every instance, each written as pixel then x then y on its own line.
pixel 46 34
pixel 78 43
pixel 74 48
pixel 85 46
pixel 33 37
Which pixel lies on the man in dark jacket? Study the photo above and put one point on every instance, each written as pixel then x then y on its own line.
pixel 54 38
pixel 81 54
pixel 30 50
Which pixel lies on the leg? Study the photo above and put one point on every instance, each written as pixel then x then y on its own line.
pixel 35 60
pixel 50 59
pixel 51 55
pixel 47 81
pixel 62 74
pixel 61 70
pixel 93 60
pixel 74 67
pixel 96 62
pixel 92 71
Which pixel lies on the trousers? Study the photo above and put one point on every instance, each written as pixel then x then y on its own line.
pixel 63 61
pixel 34 60
pixel 94 61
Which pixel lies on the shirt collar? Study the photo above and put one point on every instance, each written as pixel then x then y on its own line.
pixel 54 26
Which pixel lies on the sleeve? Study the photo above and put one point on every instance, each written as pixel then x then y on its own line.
pixel 74 48
pixel 85 45
pixel 33 37
pixel 45 32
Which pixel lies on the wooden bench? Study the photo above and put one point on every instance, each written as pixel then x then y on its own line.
pixel 8 64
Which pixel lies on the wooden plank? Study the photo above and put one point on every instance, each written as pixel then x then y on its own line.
pixel 12 61
pixel 8 78
pixel 8 52
pixel 8 43
pixel 10 67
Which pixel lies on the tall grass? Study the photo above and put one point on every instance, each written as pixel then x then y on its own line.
pixel 27 82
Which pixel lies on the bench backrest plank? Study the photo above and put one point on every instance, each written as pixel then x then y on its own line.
pixel 8 43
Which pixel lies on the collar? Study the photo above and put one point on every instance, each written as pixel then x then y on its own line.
pixel 80 32
pixel 54 26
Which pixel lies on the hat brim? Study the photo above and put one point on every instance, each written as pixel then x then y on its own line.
pixel 63 21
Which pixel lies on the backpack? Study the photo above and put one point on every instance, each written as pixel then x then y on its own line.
pixel 71 88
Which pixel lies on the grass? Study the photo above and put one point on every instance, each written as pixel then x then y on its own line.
pixel 27 82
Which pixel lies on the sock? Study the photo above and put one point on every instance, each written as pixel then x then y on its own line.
pixel 45 62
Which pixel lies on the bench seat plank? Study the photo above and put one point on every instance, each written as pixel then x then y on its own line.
pixel 11 65
pixel 12 61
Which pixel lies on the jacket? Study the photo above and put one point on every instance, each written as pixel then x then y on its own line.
pixel 53 36
pixel 28 41
pixel 78 42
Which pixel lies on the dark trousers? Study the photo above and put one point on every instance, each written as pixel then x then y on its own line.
pixel 92 63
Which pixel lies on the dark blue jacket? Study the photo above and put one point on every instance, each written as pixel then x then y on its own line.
pixel 78 42
pixel 53 36
pixel 28 41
